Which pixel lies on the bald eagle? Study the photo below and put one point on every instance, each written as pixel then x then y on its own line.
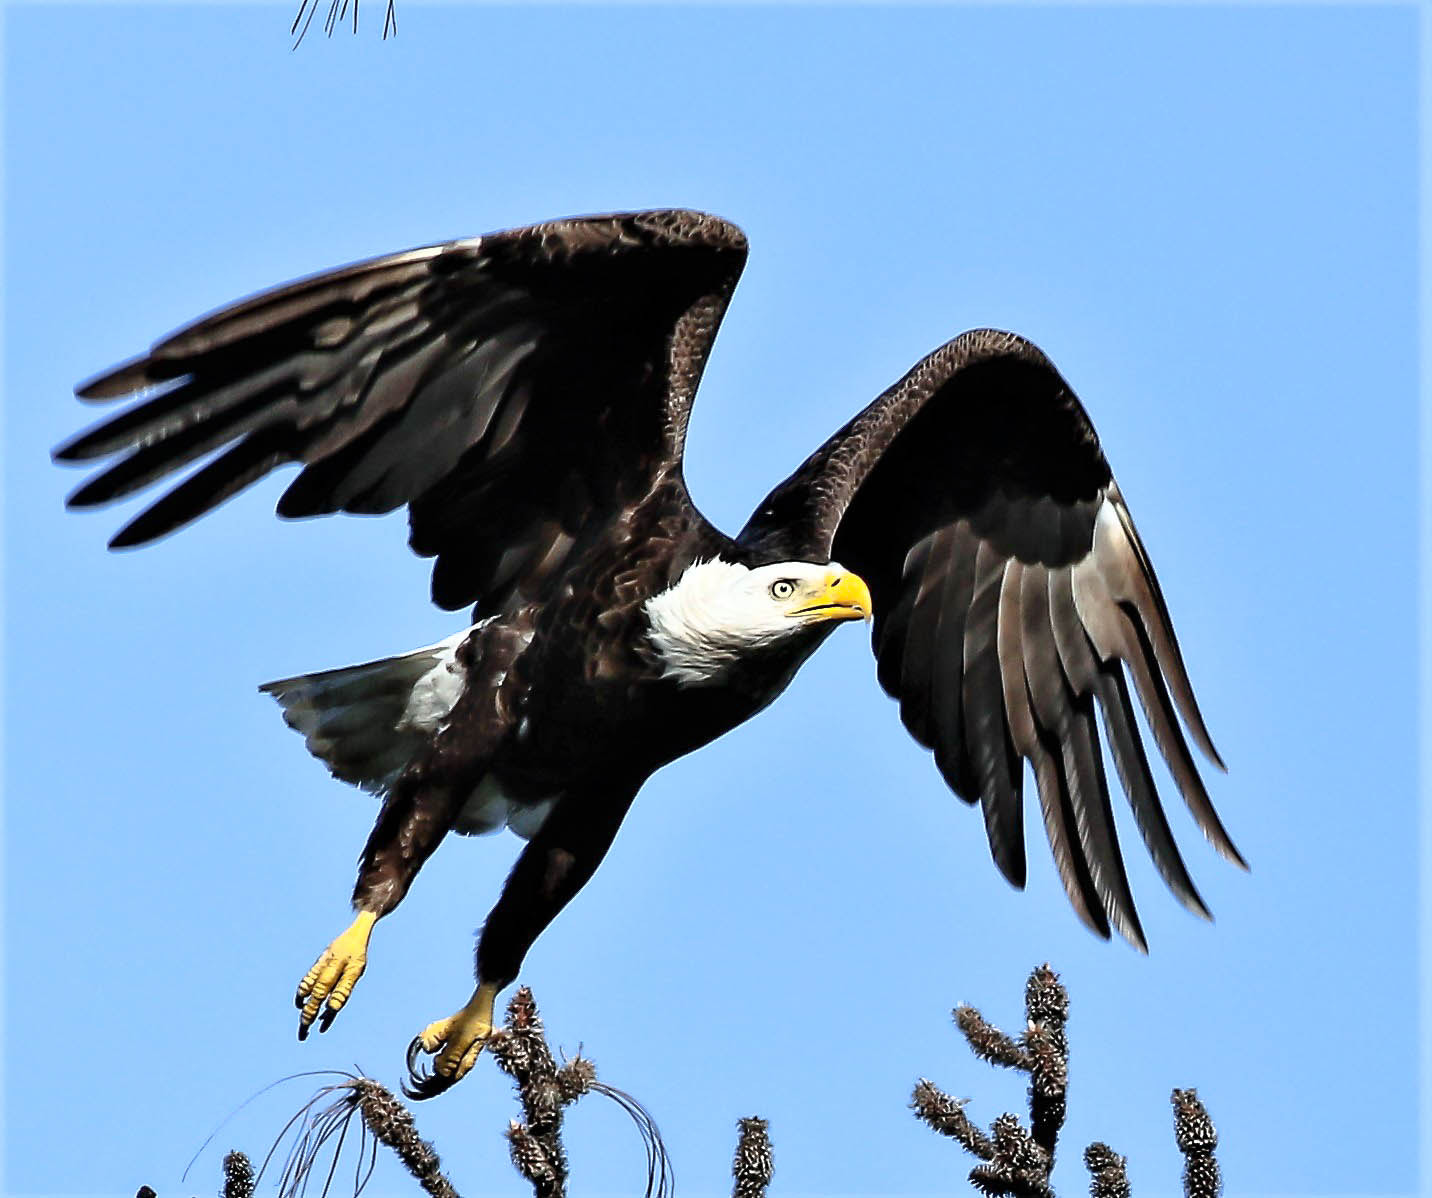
pixel 526 396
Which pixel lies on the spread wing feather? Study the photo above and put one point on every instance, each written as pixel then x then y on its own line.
pixel 1012 593
pixel 516 391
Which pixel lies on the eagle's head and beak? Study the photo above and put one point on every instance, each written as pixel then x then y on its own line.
pixel 719 614
pixel 836 594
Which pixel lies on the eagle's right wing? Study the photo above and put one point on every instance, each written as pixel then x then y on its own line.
pixel 517 391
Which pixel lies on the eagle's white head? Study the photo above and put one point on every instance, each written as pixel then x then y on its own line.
pixel 718 613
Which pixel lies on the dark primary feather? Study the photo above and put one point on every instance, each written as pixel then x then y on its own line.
pixel 1011 593
pixel 518 391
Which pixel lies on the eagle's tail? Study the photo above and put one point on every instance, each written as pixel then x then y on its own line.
pixel 366 722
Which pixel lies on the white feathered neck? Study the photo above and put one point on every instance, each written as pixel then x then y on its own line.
pixel 718 612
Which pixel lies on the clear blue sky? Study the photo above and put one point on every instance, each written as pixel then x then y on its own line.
pixel 1206 215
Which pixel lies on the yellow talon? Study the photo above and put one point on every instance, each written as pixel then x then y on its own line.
pixel 455 1042
pixel 326 987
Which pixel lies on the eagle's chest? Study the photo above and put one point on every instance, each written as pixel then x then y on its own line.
pixel 564 739
pixel 621 710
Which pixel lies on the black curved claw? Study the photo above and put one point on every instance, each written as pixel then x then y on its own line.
pixel 415 1050
pixel 302 1029
pixel 421 1083
pixel 326 1017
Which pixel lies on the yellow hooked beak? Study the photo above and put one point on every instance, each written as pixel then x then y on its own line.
pixel 844 596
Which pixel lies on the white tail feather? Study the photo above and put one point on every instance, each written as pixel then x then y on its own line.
pixel 366 722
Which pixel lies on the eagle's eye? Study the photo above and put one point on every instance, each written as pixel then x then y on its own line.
pixel 782 588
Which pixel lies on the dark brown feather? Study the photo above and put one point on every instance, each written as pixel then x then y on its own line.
pixel 929 560
pixel 1116 638
pixel 226 475
pixel 1054 800
pixel 997 768
pixel 1067 719
pixel 947 667
pixel 1125 564
pixel 1106 680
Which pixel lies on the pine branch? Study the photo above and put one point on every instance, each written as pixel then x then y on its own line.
pixel 947 1116
pixel 520 1050
pixel 392 1124
pixel 1197 1138
pixel 1020 1167
pixel 987 1042
pixel 753 1164
pixel 320 1128
pixel 1046 1044
pixel 238 1176
pixel 1017 1160
pixel 337 13
pixel 1107 1169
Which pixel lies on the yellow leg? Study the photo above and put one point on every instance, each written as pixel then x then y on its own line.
pixel 326 987
pixel 455 1043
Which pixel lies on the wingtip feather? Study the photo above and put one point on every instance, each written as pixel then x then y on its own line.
pixel 132 536
pixel 68 451
pixel 1229 852
pixel 120 380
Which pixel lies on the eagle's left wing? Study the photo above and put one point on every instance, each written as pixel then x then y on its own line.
pixel 1011 594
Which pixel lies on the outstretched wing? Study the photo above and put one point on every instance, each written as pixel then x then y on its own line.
pixel 1011 594
pixel 516 390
